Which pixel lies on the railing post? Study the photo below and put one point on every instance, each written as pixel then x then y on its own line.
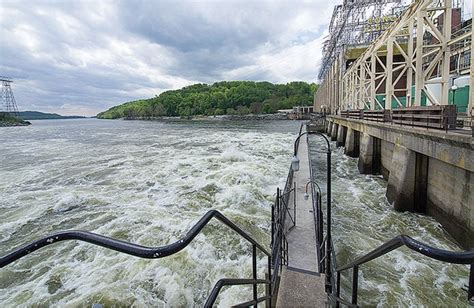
pixel 328 223
pixel 321 230
pixel 338 288
pixel 294 204
pixel 254 270
pixel 355 283
pixel 470 289
pixel 273 222
pixel 269 285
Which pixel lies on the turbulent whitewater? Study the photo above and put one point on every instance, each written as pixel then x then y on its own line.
pixel 363 219
pixel 149 182
pixel 143 182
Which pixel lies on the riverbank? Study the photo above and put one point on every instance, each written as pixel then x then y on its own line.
pixel 6 120
pixel 245 117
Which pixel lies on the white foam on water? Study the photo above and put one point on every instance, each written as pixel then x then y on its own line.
pixel 363 220
pixel 147 183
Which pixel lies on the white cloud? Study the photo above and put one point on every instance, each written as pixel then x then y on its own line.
pixel 83 57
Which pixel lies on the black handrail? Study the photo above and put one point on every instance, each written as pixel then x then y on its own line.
pixel 453 257
pixel 232 282
pixel 144 251
pixel 279 243
pixel 461 257
pixel 126 247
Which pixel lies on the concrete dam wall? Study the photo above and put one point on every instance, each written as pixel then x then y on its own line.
pixel 428 171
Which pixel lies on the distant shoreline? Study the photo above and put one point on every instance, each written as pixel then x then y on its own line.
pixel 37 115
pixel 7 120
pixel 259 117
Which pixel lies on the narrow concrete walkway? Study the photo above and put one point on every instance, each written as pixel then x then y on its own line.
pixel 302 238
pixel 301 285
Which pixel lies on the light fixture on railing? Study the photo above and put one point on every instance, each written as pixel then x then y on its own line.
pixel 306 195
pixel 295 163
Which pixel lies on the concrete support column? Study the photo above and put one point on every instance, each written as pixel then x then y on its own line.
pixel 341 136
pixel 334 131
pixel 401 181
pixel 450 200
pixel 366 154
pixel 329 127
pixel 352 143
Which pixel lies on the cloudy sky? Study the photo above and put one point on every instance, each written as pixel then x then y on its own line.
pixel 82 57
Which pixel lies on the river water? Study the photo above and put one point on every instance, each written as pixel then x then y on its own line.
pixel 149 182
pixel 143 182
pixel 363 219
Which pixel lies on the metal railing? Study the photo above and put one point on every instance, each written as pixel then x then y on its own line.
pixel 161 252
pixel 465 257
pixel 323 243
pixel 279 242
pixel 328 262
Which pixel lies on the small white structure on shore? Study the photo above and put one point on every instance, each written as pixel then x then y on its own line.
pixel 298 112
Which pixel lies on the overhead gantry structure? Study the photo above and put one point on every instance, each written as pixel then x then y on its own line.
pixel 412 63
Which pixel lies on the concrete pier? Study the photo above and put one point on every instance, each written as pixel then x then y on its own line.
pixel 341 136
pixel 401 181
pixel 329 128
pixel 366 154
pixel 334 128
pixel 428 171
pixel 352 143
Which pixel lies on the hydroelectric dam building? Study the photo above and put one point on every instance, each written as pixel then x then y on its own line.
pixel 397 92
pixel 397 88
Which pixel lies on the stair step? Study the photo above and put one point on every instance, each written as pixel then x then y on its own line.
pixel 301 288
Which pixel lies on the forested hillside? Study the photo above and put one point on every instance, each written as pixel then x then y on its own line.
pixel 226 97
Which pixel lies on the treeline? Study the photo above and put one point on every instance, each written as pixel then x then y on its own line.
pixel 226 97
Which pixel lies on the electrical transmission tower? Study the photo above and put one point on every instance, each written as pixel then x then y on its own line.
pixel 8 103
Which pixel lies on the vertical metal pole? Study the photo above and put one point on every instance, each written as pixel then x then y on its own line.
pixel 277 210
pixel 254 269
pixel 269 261
pixel 328 224
pixel 338 288
pixel 470 289
pixel 273 221
pixel 294 204
pixel 321 229
pixel 355 283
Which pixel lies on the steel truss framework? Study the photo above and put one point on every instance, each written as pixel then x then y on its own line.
pixel 416 48
pixel 8 103
pixel 357 22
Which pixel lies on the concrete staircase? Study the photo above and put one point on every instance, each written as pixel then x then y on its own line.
pixel 301 288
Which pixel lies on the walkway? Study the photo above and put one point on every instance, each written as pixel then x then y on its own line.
pixel 302 238
pixel 301 284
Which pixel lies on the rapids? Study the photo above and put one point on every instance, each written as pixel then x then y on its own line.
pixel 143 182
pixel 363 219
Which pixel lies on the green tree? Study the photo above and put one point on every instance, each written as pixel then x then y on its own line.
pixel 222 96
